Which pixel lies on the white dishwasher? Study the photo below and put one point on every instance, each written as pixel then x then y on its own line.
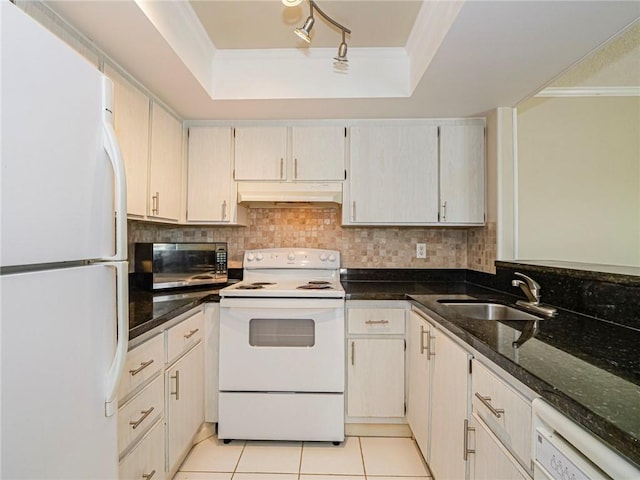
pixel 563 450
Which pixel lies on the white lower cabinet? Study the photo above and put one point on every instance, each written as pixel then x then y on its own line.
pixel 161 398
pixel 375 376
pixel 146 461
pixel 141 412
pixel 449 407
pixel 489 459
pixel 419 375
pixel 185 403
pixel 506 413
pixel 375 361
pixel 438 405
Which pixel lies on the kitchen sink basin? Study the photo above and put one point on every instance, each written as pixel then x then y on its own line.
pixel 488 311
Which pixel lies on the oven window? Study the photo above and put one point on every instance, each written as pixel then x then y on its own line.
pixel 282 332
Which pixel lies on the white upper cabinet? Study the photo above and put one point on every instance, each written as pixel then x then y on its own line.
pixel 299 153
pixel 422 172
pixel 210 189
pixel 165 180
pixel 131 123
pixel 318 153
pixel 261 153
pixel 393 175
pixel 462 174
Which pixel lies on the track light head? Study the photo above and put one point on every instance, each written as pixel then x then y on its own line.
pixel 303 31
pixel 342 53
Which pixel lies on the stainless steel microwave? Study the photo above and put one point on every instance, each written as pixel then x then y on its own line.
pixel 173 265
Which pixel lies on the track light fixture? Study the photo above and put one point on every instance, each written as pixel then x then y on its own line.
pixel 304 31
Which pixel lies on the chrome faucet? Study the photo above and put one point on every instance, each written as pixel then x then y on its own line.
pixel 529 286
pixel 532 289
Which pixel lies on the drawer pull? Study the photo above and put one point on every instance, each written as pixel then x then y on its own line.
pixel 142 366
pixel 467 451
pixel 177 379
pixel 145 414
pixel 376 322
pixel 148 476
pixel 486 401
pixel 187 336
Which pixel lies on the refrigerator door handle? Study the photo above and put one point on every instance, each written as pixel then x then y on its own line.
pixel 117 162
pixel 122 312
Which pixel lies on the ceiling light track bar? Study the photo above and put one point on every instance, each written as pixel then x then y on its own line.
pixel 314 5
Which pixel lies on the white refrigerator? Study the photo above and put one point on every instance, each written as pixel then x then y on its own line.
pixel 63 268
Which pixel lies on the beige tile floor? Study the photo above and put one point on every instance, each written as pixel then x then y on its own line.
pixel 357 458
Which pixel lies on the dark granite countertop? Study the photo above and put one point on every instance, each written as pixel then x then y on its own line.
pixel 587 368
pixel 149 310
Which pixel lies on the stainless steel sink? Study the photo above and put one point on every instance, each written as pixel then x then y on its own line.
pixel 488 311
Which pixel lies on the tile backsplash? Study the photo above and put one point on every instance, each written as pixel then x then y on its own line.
pixel 360 247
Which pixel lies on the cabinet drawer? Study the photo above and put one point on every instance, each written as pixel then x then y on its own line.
pixel 183 336
pixel 376 320
pixel 504 411
pixel 146 458
pixel 143 362
pixel 135 416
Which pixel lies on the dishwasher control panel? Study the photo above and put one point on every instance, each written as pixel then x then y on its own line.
pixel 550 456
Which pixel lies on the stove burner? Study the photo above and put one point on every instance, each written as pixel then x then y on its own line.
pixel 253 286
pixel 315 286
pixel 249 287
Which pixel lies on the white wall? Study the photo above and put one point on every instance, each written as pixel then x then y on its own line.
pixel 578 180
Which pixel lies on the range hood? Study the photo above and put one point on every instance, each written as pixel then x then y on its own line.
pixel 289 194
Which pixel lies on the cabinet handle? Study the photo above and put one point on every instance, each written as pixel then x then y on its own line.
pixel 187 336
pixel 145 413
pixel 376 322
pixel 466 451
pixel 155 202
pixel 486 401
pixel 444 211
pixel 142 366
pixel 353 353
pixel 224 209
pixel 177 379
pixel 353 210
pixel 295 168
pixel 281 168
pixel 430 353
pixel 422 332
pixel 148 476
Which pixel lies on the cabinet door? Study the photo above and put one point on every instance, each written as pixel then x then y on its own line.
pixel 260 153
pixel 393 177
pixel 209 184
pixel 146 461
pixel 375 378
pixel 185 403
pixel 450 407
pixel 318 153
pixel 165 182
pixel 490 461
pixel 131 123
pixel 462 176
pixel 419 402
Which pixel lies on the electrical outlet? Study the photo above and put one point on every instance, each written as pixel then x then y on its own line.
pixel 421 250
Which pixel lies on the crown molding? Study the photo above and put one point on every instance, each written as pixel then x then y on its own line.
pixel 589 92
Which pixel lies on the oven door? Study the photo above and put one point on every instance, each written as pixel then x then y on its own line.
pixel 282 345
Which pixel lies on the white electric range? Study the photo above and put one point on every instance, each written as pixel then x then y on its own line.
pixel 282 357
